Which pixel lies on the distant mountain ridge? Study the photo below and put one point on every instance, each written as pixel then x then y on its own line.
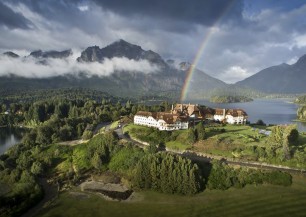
pixel 282 78
pixel 200 84
pixel 167 81
pixel 10 54
pixel 51 54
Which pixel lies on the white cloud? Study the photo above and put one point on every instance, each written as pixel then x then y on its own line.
pixel 31 68
pixel 292 60
pixel 301 41
pixel 83 8
pixel 234 74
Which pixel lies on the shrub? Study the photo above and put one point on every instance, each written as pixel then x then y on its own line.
pixel 278 178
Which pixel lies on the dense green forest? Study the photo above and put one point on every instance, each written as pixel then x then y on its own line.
pixel 67 117
pixel 30 96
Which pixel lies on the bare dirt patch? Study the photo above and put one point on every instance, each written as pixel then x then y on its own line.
pixel 108 190
pixel 107 177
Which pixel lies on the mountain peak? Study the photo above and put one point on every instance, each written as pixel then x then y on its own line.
pixel 122 42
pixel 10 54
pixel 121 48
pixel 36 53
pixel 282 78
pixel 51 54
pixel 184 66
pixel 301 60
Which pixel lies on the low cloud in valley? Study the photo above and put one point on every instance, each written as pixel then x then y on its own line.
pixel 30 67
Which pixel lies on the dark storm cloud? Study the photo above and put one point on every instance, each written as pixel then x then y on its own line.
pixel 65 12
pixel 191 11
pixel 169 15
pixel 11 19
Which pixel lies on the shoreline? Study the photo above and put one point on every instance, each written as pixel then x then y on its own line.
pixel 297 120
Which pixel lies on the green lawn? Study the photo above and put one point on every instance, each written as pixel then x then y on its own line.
pixel 128 128
pixel 114 125
pixel 238 133
pixel 177 145
pixel 262 200
pixel 179 136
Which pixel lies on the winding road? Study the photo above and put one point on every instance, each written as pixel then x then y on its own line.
pixel 202 157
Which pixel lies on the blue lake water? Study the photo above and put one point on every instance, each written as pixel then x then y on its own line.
pixel 9 137
pixel 271 111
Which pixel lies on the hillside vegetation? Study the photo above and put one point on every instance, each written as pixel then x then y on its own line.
pixel 230 99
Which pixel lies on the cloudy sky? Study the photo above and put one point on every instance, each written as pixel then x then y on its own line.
pixel 238 37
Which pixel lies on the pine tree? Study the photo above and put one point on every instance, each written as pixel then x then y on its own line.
pixel 96 161
pixel 200 131
pixel 191 136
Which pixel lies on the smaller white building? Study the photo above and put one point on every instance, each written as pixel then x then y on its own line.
pixel 236 116
pixel 231 116
pixel 219 114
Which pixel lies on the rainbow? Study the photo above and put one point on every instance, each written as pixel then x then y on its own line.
pixel 200 51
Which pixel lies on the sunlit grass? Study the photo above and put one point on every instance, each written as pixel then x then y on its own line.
pixel 114 125
pixel 263 200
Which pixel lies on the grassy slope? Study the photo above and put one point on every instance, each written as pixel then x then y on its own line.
pixel 178 144
pixel 237 141
pixel 264 200
pixel 238 135
pixel 114 125
pixel 235 136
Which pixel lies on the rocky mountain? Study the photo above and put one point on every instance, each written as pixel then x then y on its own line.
pixel 167 81
pixel 11 54
pixel 51 54
pixel 282 78
pixel 184 66
pixel 121 48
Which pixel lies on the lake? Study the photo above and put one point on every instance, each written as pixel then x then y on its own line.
pixel 271 111
pixel 9 137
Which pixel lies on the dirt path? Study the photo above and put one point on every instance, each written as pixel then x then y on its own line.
pixel 73 142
